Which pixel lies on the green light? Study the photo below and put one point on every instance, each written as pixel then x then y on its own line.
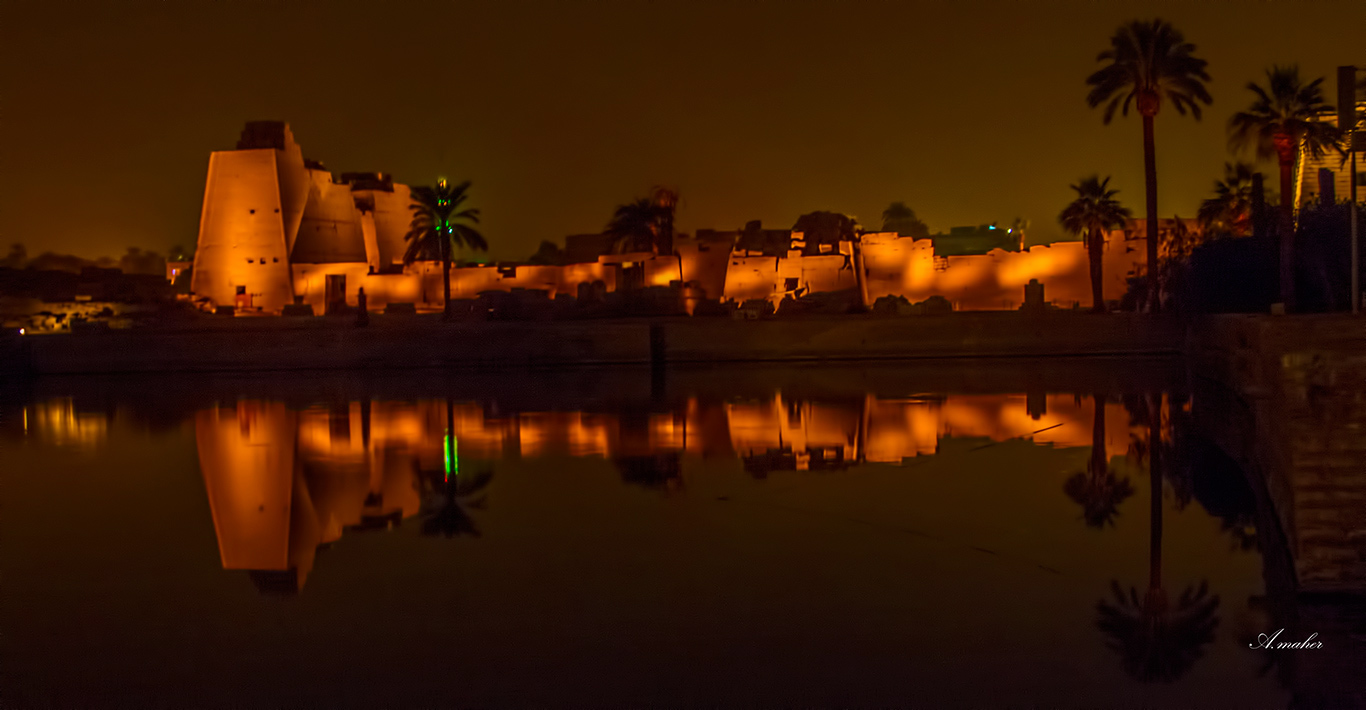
pixel 452 457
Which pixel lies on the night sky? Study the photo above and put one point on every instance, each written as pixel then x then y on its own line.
pixel 970 112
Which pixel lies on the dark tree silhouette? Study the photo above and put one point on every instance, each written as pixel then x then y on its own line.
pixel 548 254
pixel 1283 118
pixel 831 228
pixel 1098 491
pixel 1156 640
pixel 439 226
pixel 646 224
pixel 16 258
pixel 1148 61
pixel 1090 216
pixel 1229 212
pixel 901 219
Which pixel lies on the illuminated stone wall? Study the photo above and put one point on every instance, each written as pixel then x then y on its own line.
pixel 243 241
pixel 996 280
pixel 275 226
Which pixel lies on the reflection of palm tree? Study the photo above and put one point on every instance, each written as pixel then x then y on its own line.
pixel 1157 642
pixel 447 513
pixel 445 510
pixel 661 470
pixel 1098 490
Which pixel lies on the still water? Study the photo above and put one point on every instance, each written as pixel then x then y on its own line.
pixel 961 534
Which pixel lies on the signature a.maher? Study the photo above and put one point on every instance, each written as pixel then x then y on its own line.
pixel 1269 641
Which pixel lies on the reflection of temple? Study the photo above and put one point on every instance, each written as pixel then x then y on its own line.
pixel 797 435
pixel 283 482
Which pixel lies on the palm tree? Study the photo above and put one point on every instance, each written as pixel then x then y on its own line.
pixel 1284 117
pixel 439 226
pixel 1149 61
pixel 646 224
pixel 901 219
pixel 633 226
pixel 1229 212
pixel 1157 642
pixel 1090 216
pixel 1097 490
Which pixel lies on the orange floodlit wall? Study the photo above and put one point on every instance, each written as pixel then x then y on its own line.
pixel 420 284
pixel 996 280
pixel 901 266
pixel 242 236
pixel 274 227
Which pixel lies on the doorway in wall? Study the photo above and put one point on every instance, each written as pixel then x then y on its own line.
pixel 242 299
pixel 336 293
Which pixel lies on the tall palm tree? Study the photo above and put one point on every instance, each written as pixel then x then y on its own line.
pixel 439 226
pixel 1098 491
pixel 1229 212
pixel 646 224
pixel 1090 216
pixel 901 219
pixel 1156 640
pixel 1148 61
pixel 1285 116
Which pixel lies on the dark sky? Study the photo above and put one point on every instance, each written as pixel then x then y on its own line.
pixel 970 111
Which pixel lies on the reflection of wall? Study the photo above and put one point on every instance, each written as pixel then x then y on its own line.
pixel 282 482
pixel 889 430
pixel 58 422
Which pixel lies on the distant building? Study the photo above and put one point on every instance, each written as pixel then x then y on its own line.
pixel 966 241
pixel 277 229
pixel 1315 176
pixel 175 270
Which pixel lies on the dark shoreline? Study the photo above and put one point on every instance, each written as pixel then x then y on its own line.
pixel 415 342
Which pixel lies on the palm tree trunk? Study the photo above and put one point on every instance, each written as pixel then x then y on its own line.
pixel 446 282
pixel 1287 230
pixel 1155 477
pixel 450 439
pixel 1150 186
pixel 1095 245
pixel 1100 458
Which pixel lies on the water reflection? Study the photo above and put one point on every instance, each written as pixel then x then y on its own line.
pixel 1098 490
pixel 1156 640
pixel 957 494
pixel 283 482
